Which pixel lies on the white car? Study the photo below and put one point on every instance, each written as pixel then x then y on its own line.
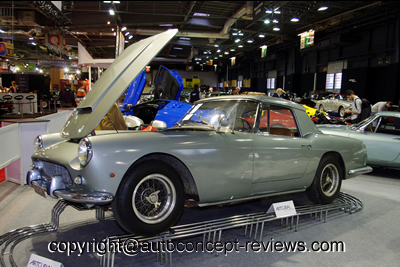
pixel 335 103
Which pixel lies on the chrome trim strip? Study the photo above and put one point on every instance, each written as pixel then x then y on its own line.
pixel 250 198
pixel 363 170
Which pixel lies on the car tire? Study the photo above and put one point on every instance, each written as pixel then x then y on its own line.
pixel 321 108
pixel 341 112
pixel 327 181
pixel 150 199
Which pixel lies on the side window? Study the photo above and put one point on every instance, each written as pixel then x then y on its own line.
pixel 386 125
pixel 245 116
pixel 280 121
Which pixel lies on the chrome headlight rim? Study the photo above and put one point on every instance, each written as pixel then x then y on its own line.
pixel 85 151
pixel 37 143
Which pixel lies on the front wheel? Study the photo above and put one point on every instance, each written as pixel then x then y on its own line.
pixel 341 112
pixel 327 181
pixel 149 199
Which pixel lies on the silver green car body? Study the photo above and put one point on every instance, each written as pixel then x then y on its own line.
pixel 379 132
pixel 215 162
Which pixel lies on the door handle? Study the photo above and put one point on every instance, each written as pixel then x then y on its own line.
pixel 306 145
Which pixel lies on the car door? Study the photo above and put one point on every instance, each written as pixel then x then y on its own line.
pixel 381 138
pixel 280 153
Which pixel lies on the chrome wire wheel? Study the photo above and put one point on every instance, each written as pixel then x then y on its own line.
pixel 329 179
pixel 154 198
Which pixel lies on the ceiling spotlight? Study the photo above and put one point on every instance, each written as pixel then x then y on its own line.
pixel 178 48
pixel 276 29
pixel 322 8
pixel 226 52
pixel 220 55
pixel 295 19
pixel 123 29
pixel 216 45
pixel 237 40
pixel 250 41
pixel 232 49
pixel 108 22
pixel 219 51
pixel 111 11
pixel 267 21
pixel 130 36
pixel 240 46
pixel 275 21
pixel 240 33
pixel 215 57
pixel 127 33
pixel 30 38
pixel 277 11
pixel 234 33
pixel 261 35
pixel 199 14
pixel 268 11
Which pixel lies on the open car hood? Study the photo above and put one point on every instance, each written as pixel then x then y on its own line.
pixel 114 81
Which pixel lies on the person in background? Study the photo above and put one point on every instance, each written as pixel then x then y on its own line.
pixel 381 106
pixel 67 97
pixel 81 92
pixel 13 88
pixel 195 94
pixel 236 91
pixel 356 106
pixel 279 93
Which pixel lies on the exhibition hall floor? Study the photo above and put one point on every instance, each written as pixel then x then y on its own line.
pixel 371 237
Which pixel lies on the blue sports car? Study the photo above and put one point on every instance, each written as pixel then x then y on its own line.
pixel 169 109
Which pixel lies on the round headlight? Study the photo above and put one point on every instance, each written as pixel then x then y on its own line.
pixel 37 143
pixel 85 151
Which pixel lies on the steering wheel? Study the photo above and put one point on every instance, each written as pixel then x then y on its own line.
pixel 246 124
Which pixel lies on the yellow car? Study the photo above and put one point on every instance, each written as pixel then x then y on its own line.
pixel 311 111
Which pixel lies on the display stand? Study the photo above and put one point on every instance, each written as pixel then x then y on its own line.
pixel 253 223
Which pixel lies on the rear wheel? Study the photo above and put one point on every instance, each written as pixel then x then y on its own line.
pixel 149 199
pixel 327 181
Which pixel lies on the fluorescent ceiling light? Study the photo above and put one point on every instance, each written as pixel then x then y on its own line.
pixel 241 33
pixel 275 21
pixel 220 55
pixel 127 33
pixel 216 45
pixel 178 48
pixel 322 8
pixel 232 49
pixel 111 11
pixel 123 28
pixel 199 14
pixel 172 55
pixel 226 52
pixel 237 40
pixel 166 25
pixel 261 35
pixel 107 2
pixel 215 57
pixel 240 46
pixel 184 38
pixel 277 11
pixel 268 11
pixel 267 21
pixel 130 37
pixel 234 33
pixel 276 29
pixel 33 43
pixel 1 31
pixel 250 41
pixel 219 51
pixel 30 38
pixel 294 19
pixel 116 2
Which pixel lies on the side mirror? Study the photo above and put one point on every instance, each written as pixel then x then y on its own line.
pixel 159 124
pixel 223 122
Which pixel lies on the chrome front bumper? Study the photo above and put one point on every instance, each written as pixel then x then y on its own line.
pixel 55 187
pixel 360 171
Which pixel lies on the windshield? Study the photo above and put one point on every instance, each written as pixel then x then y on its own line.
pixel 365 121
pixel 222 115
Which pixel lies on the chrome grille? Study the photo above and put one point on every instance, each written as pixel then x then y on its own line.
pixel 51 169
